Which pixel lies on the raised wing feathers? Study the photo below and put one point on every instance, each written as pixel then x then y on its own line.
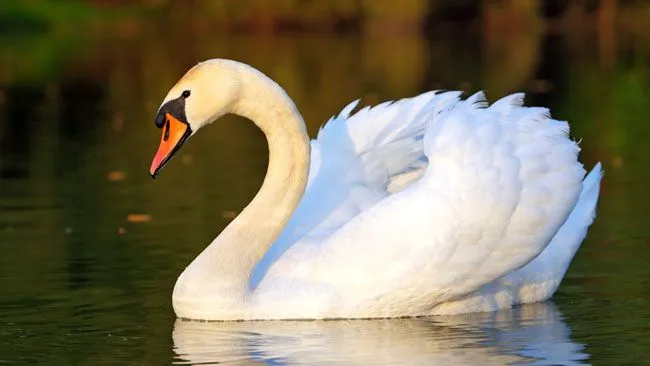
pixel 481 191
pixel 510 176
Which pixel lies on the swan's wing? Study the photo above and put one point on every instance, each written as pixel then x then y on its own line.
pixel 356 161
pixel 362 158
pixel 537 280
pixel 499 184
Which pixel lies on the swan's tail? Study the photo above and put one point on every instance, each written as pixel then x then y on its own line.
pixel 555 259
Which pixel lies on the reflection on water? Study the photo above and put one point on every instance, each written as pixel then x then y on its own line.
pixel 81 282
pixel 532 333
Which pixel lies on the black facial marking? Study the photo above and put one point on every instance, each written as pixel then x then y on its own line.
pixel 175 107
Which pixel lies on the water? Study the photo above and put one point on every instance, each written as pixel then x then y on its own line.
pixel 91 246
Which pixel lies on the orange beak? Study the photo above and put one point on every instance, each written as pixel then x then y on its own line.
pixel 174 134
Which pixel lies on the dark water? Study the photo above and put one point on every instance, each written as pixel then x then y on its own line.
pixel 91 246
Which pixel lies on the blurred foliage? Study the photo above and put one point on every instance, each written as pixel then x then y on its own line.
pixel 320 15
pixel 40 15
pixel 70 16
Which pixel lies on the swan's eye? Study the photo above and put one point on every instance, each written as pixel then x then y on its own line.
pixel 186 93
pixel 166 135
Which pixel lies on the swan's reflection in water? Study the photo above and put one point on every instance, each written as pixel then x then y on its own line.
pixel 533 333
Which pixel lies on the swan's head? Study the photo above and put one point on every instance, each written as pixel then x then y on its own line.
pixel 206 92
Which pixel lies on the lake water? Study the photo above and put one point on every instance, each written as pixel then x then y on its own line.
pixel 91 246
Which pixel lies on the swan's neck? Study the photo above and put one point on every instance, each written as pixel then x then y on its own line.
pixel 223 269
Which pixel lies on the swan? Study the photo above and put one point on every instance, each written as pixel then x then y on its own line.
pixel 425 206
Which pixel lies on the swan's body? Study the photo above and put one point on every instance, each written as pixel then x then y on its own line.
pixel 430 205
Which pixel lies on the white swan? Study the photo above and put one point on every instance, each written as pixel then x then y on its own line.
pixel 429 205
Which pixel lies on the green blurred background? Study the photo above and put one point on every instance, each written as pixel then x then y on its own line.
pixel 90 246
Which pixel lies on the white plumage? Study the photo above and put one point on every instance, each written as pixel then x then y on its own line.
pixel 428 205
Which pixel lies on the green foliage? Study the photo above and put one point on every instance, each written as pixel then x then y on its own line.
pixel 61 16
pixel 41 15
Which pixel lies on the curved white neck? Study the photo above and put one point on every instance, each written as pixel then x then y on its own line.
pixel 223 269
